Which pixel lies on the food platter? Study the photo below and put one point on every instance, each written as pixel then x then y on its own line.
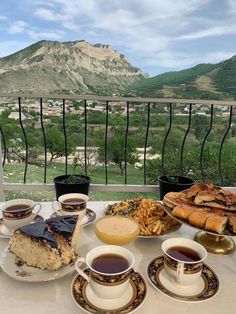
pixel 150 215
pixel 225 233
pixel 207 208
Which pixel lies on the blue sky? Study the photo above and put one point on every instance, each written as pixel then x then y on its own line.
pixel 156 35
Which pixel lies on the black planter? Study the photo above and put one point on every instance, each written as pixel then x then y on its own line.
pixel 64 188
pixel 173 184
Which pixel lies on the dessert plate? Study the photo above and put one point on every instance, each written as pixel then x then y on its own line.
pixel 88 218
pixel 5 233
pixel 204 289
pixel 132 299
pixel 18 270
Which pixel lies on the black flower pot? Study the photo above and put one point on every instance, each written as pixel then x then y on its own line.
pixel 72 184
pixel 173 184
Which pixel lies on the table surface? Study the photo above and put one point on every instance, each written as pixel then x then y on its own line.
pixel 18 297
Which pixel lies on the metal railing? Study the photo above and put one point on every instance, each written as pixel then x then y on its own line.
pixel 148 103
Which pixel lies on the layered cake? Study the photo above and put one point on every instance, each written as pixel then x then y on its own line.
pixel 49 244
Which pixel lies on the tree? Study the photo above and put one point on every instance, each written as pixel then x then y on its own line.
pixel 56 144
pixel 116 150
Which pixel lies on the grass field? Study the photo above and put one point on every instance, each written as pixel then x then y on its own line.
pixel 13 173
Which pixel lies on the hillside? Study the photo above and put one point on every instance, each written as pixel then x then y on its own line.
pixel 204 81
pixel 69 67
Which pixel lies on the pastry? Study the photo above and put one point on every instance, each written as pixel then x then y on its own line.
pixel 216 223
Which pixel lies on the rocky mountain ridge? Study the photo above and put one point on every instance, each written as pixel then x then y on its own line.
pixel 71 67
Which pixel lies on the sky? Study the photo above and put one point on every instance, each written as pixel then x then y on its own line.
pixel 155 35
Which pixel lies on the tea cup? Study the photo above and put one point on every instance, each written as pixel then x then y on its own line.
pixel 183 260
pixel 18 213
pixel 106 284
pixel 72 204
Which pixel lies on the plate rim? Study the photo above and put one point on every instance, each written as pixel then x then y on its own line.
pixel 69 269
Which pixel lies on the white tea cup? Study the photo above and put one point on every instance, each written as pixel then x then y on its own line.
pixel 18 213
pixel 72 204
pixel 107 285
pixel 183 260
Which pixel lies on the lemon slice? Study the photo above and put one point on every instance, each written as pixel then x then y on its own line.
pixel 116 229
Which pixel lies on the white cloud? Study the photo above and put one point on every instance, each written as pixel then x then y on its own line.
pixel 50 35
pixel 178 60
pixel 17 27
pixel 47 15
pixel 210 32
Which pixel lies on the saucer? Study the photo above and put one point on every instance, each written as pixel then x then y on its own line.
pixel 88 218
pixel 130 301
pixel 203 289
pixel 5 233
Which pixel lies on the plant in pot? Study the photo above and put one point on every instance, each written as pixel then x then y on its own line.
pixel 173 184
pixel 72 183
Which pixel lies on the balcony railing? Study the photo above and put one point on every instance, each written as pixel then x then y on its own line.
pixel 150 109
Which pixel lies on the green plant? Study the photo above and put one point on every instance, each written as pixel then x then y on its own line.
pixel 75 178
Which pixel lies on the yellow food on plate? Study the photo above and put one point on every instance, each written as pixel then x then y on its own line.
pixel 116 230
pixel 149 214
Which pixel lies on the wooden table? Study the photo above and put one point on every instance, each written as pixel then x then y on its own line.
pixel 18 297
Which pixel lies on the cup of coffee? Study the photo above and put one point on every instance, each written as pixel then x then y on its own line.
pixel 183 260
pixel 72 204
pixel 110 269
pixel 18 213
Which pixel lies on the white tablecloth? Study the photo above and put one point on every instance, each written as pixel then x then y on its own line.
pixel 18 297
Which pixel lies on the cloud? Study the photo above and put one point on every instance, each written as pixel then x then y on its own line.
pixel 47 15
pixel 178 60
pixel 50 35
pixel 17 27
pixel 210 32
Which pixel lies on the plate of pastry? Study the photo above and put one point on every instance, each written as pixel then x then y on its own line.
pixel 205 207
pixel 42 251
pixel 150 215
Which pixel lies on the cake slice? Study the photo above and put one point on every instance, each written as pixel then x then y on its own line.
pixel 48 244
pixel 66 231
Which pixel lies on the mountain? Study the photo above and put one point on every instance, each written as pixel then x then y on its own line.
pixel 204 81
pixel 70 67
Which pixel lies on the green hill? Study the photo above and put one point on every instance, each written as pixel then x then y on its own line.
pixel 204 81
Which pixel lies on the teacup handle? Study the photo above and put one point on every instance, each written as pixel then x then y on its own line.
pixel 179 273
pixel 56 205
pixel 79 261
pixel 38 210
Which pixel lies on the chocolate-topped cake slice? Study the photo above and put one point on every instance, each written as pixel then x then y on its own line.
pixel 49 244
pixel 66 231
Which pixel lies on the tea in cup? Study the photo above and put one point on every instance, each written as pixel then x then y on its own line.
pixel 110 269
pixel 18 213
pixel 72 204
pixel 183 260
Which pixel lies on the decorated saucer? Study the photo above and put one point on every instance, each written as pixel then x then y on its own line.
pixel 5 233
pixel 18 270
pixel 88 218
pixel 203 289
pixel 85 298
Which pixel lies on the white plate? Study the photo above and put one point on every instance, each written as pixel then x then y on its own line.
pixel 14 268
